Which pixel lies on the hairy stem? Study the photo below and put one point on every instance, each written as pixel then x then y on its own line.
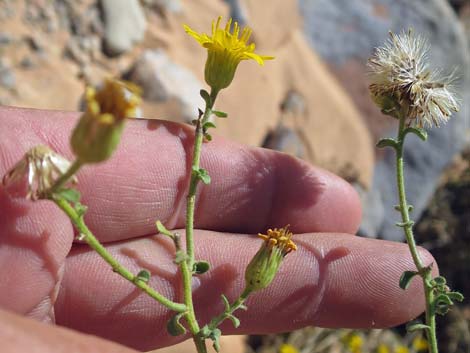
pixel 423 271
pixel 91 240
pixel 187 265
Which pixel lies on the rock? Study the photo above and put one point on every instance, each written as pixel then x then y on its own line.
pixel 165 6
pixel 238 11
pixel 5 39
pixel 125 25
pixel 345 33
pixel 163 80
pixel 7 76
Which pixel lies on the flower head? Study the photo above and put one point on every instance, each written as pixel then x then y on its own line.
pixel 400 76
pixel 225 50
pixel 40 167
pixel 263 267
pixel 288 348
pixel 99 130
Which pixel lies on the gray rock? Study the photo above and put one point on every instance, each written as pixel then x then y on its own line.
pixel 125 25
pixel 7 76
pixel 345 33
pixel 165 6
pixel 162 80
pixel 238 11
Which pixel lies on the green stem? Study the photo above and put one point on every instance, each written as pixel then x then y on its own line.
pixel 91 240
pixel 423 271
pixel 187 266
pixel 60 182
pixel 237 304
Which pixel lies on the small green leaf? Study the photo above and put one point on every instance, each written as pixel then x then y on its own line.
pixel 416 326
pixel 143 275
pixel 180 256
pixel 439 280
pixel 215 337
pixel 443 299
pixel 162 229
pixel 406 277
pixel 80 209
pixel 219 114
pixel 405 224
pixel 201 267
pixel 226 304
pixel 235 320
pixel 456 296
pixel 387 142
pixel 174 326
pixel 421 133
pixel 208 137
pixel 202 175
pixel 208 124
pixel 398 208
pixel 205 332
pixel 71 195
pixel 206 96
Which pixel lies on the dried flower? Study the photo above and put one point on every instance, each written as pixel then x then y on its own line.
pixel 263 267
pixel 400 76
pixel 225 50
pixel 99 130
pixel 41 167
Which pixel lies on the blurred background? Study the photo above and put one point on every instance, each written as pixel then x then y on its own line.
pixel 311 102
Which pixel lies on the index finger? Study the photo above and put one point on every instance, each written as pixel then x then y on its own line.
pixel 146 180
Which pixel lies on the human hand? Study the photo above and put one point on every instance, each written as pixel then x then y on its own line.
pixel 335 279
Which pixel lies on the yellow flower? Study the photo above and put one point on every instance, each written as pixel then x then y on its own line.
pixel 419 344
pixel 225 50
pixel 40 167
pixel 288 348
pixel 401 349
pixel 382 348
pixel 353 342
pixel 99 130
pixel 400 75
pixel 262 269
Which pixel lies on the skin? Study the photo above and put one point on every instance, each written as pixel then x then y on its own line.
pixel 335 279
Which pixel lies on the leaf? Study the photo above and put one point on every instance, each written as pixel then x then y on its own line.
pixel 226 304
pixel 201 267
pixel 456 296
pixel 421 133
pixel 143 275
pixel 174 326
pixel 70 195
pixel 398 208
pixel 387 142
pixel 439 280
pixel 208 137
pixel 206 96
pixel 416 326
pixel 208 124
pixel 219 114
pixel 80 209
pixel 405 224
pixel 215 337
pixel 405 278
pixel 235 320
pixel 162 229
pixel 202 175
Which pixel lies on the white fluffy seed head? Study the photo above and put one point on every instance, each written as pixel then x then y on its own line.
pixel 399 71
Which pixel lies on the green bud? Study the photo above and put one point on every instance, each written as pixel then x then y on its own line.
pixel 262 269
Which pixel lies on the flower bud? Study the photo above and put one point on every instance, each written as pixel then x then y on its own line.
pixel 99 130
pixel 262 269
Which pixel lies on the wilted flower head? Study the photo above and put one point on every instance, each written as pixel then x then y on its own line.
pixel 99 130
pixel 262 269
pixel 225 50
pixel 40 167
pixel 400 75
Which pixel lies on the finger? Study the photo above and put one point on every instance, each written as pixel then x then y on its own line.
pixel 331 281
pixel 146 180
pixel 19 334
pixel 32 254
